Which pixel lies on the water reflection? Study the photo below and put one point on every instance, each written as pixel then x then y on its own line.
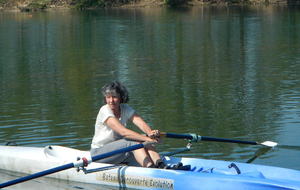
pixel 213 71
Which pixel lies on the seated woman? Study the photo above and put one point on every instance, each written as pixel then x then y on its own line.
pixel 111 132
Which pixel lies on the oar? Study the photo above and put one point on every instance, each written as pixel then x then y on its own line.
pixel 196 138
pixel 79 163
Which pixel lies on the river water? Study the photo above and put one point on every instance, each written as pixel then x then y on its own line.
pixel 221 72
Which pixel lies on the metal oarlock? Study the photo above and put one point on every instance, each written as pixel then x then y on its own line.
pixel 179 150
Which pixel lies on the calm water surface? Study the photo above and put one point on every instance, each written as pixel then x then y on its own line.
pixel 221 72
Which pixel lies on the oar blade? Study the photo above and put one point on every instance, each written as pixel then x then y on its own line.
pixel 269 143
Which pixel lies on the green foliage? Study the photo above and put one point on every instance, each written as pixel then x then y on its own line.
pixel 237 1
pixel 35 5
pixel 174 3
pixel 81 4
pixel 3 2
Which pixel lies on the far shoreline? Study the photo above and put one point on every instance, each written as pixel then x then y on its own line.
pixel 34 7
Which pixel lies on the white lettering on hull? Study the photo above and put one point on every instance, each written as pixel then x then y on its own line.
pixel 137 181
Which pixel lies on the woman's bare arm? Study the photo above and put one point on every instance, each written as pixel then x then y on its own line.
pixel 115 125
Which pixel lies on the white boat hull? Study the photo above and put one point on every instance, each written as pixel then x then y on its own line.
pixel 205 174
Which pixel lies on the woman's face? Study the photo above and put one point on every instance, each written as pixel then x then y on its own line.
pixel 113 101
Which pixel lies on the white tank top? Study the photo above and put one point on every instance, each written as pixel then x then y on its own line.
pixel 104 134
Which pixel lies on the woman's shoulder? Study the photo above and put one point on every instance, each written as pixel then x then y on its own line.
pixel 104 113
pixel 105 108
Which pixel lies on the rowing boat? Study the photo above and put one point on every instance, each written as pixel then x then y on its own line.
pixel 204 174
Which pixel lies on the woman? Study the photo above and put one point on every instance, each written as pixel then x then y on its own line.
pixel 111 132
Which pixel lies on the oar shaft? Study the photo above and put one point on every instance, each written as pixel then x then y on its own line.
pixel 127 149
pixel 177 136
pixel 36 175
pixel 71 165
pixel 195 137
pixel 203 138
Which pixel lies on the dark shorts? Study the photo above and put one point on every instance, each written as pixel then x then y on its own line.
pixel 118 158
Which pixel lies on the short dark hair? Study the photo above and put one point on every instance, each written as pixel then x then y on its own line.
pixel 116 88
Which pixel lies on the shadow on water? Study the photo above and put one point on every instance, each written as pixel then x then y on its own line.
pixel 259 153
